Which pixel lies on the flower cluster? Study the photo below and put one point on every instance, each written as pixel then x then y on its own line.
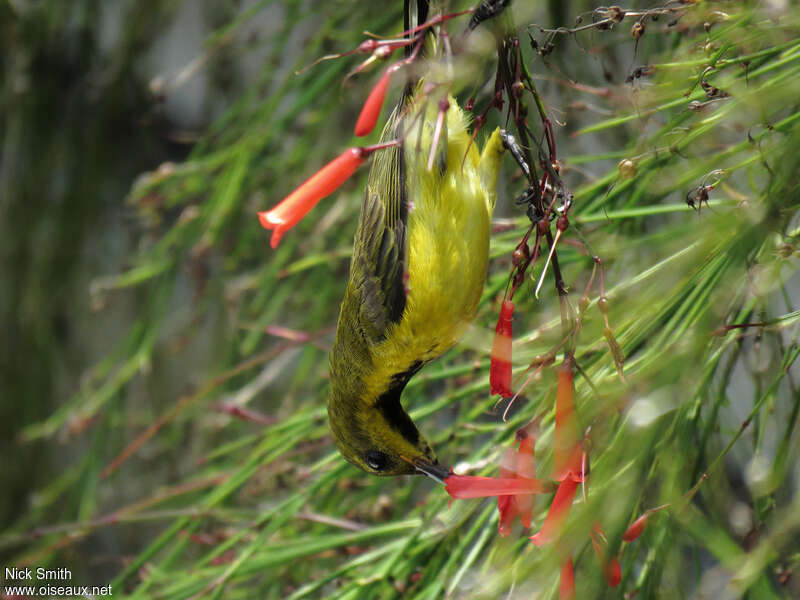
pixel 517 485
pixel 515 488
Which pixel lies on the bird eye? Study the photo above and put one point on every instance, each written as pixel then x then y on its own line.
pixel 377 460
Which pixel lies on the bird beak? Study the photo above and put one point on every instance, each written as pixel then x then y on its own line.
pixel 436 472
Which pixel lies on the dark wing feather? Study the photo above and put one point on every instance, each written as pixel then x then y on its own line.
pixel 376 286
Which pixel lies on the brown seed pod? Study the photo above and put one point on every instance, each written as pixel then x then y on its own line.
pixel 521 256
pixel 543 226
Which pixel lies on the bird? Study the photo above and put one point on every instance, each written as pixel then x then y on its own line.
pixel 419 264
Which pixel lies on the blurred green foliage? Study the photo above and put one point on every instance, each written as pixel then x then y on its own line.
pixel 142 314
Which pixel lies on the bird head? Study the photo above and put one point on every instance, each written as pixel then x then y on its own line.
pixel 380 438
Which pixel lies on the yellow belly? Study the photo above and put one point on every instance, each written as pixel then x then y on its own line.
pixel 448 250
pixel 449 223
pixel 448 246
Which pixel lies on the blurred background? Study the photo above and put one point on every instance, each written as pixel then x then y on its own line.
pixel 162 388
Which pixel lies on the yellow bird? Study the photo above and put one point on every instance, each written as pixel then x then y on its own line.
pixel 418 268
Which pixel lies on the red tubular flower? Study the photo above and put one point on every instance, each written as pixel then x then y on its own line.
pixel 525 463
pixel 473 486
pixel 500 369
pixel 526 469
pixel 566 582
pixel 566 447
pixel 611 568
pixel 507 506
pixel 637 527
pixel 521 466
pixel 508 509
pixel 514 488
pixel 297 204
pixel 559 510
pixel 613 572
pixel 372 106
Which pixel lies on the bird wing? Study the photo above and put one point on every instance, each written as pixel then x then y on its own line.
pixel 376 287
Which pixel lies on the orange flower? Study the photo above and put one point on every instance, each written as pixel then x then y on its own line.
pixel 567 456
pixel 522 465
pixel 372 107
pixel 567 450
pixel 559 510
pixel 525 470
pixel 514 488
pixel 611 568
pixel 324 182
pixel 566 583
pixel 507 505
pixel 500 368
pixel 637 527
pixel 473 486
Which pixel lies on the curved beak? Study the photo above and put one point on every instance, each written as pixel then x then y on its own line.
pixel 436 472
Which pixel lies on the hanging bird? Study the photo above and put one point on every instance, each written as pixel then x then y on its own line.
pixel 419 264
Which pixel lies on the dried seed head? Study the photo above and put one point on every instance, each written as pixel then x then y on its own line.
pixel 627 168
pixel 696 106
pixel 383 51
pixel 542 360
pixel 785 250
pixel 637 31
pixel 367 46
pixel 602 304
pixel 616 14
pixel 583 303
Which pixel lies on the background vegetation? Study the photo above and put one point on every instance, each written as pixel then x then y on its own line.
pixel 162 411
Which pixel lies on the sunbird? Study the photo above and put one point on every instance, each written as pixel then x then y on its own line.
pixel 420 255
pixel 418 268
